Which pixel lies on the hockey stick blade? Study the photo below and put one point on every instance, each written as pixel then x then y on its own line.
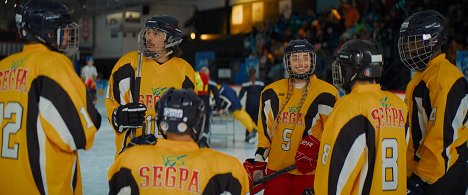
pixel 274 175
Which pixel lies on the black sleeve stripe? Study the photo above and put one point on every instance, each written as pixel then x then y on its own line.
pixel 221 183
pixel 75 174
pixel 93 112
pixel 31 135
pixel 324 99
pixel 420 91
pixel 188 84
pixel 269 94
pixel 125 71
pixel 452 117
pixel 121 179
pixel 356 127
pixel 53 92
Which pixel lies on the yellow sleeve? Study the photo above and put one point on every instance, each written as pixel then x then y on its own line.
pixel 66 113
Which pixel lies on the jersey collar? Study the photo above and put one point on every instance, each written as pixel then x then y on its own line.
pixel 359 88
pixel 436 60
pixel 177 146
pixel 34 47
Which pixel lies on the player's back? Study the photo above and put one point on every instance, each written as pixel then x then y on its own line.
pixel 173 167
pixel 35 130
pixel 363 147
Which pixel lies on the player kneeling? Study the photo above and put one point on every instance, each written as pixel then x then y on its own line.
pixel 176 165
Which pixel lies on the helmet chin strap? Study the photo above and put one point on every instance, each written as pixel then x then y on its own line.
pixel 154 55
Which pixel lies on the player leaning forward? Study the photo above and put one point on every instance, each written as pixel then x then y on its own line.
pixel 160 70
pixel 177 165
pixel 363 146
pixel 46 113
pixel 292 111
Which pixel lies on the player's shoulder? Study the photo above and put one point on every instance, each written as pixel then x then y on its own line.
pixel 216 157
pixel 135 152
pixel 279 84
pixel 127 58
pixel 181 62
pixel 323 85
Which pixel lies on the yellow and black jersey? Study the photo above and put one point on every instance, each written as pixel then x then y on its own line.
pixel 438 104
pixel 174 167
pixel 363 145
pixel 155 80
pixel 45 116
pixel 292 124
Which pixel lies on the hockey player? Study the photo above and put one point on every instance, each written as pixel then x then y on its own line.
pixel 160 71
pixel 89 76
pixel 177 165
pixel 253 88
pixel 204 88
pixel 237 112
pixel 438 105
pixel 46 114
pixel 363 145
pixel 291 111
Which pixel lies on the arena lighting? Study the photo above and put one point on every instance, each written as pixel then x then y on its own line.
pixel 206 37
pixel 336 14
pixel 192 35
pixel 6 1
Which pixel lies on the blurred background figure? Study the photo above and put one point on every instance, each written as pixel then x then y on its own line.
pixel 204 87
pixel 231 99
pixel 89 76
pixel 253 88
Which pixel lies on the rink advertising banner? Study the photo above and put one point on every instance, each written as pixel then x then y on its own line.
pixel 86 32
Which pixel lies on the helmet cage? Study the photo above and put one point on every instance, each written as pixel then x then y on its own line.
pixel 349 67
pixel 70 32
pixel 416 50
pixel 49 23
pixel 293 55
pixel 173 37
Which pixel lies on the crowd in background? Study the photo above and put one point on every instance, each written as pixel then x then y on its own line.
pixel 328 30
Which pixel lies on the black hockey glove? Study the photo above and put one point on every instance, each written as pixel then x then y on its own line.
pixel 148 139
pixel 308 191
pixel 414 185
pixel 128 116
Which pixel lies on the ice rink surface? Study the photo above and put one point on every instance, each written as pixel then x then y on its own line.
pixel 96 161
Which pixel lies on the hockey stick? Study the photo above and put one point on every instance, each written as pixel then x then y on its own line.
pixel 274 175
pixel 136 89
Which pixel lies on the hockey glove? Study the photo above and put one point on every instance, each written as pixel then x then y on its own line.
pixel 306 156
pixel 414 185
pixel 256 170
pixel 148 139
pixel 128 116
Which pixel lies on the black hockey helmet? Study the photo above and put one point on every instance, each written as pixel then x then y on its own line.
pixel 421 35
pixel 180 111
pixel 49 23
pixel 290 54
pixel 357 60
pixel 167 24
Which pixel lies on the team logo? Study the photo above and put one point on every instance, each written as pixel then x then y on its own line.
pixel 367 72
